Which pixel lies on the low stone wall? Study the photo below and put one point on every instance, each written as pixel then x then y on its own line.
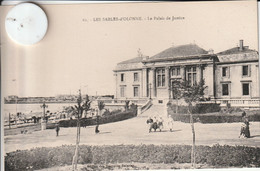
pixel 243 103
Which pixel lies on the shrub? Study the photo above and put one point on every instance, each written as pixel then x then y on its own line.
pixel 200 108
pixel 181 109
pixel 213 118
pixel 217 156
pixel 202 113
pixel 115 112
pixel 207 108
pixel 106 112
pixel 133 108
pixel 230 110
pixel 102 120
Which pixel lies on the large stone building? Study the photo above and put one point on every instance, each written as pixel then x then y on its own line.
pixel 230 76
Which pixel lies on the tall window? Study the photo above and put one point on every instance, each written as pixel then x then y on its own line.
pixel 160 77
pixel 224 71
pixel 225 89
pixel 122 91
pixel 245 70
pixel 191 75
pixel 122 77
pixel 136 76
pixel 176 71
pixel 136 91
pixel 245 87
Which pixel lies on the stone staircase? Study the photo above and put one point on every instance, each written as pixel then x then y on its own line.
pixel 155 110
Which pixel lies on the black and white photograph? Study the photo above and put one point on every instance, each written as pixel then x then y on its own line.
pixel 129 86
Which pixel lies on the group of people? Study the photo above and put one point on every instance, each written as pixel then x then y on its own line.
pixel 157 122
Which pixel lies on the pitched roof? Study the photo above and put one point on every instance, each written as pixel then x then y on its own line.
pixel 236 50
pixel 133 60
pixel 180 51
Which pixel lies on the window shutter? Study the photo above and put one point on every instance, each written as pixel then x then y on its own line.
pixel 229 89
pixel 242 72
pixel 249 70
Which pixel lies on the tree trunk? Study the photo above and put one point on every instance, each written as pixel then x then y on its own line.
pixel 177 106
pixel 97 124
pixel 193 138
pixel 75 157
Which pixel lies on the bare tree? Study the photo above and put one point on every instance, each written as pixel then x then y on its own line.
pixel 101 106
pixel 176 94
pixel 192 94
pixel 78 110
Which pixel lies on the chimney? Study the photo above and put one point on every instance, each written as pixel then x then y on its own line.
pixel 145 58
pixel 241 46
pixel 211 51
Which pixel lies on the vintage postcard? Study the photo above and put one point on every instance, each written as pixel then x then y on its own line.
pixel 131 86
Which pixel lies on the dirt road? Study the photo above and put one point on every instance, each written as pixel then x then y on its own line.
pixel 135 131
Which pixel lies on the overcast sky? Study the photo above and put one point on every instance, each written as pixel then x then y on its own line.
pixel 76 53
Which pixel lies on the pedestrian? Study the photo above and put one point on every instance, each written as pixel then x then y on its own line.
pixel 96 129
pixel 160 123
pixel 57 129
pixel 97 121
pixel 245 132
pixel 155 119
pixel 150 123
pixel 170 123
pixel 149 120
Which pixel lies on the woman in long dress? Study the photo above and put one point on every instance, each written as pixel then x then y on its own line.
pixel 170 123
pixel 245 126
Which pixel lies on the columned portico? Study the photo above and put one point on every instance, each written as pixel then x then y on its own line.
pixel 200 73
pixel 164 89
pixel 167 81
pixel 153 82
pixel 145 82
pixel 183 72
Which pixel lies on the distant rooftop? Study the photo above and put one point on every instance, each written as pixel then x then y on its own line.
pixel 180 51
pixel 237 50
pixel 133 60
pixel 192 50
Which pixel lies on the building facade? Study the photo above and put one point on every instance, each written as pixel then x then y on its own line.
pixel 230 76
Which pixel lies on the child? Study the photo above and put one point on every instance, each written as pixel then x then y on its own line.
pixel 243 131
pixel 160 123
pixel 170 123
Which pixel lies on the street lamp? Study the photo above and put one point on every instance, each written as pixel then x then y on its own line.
pixel 16 99
pixel 44 106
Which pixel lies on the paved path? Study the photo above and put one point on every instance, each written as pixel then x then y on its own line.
pixel 135 131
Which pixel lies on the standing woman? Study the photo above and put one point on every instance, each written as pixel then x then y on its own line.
pixel 245 129
pixel 170 123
